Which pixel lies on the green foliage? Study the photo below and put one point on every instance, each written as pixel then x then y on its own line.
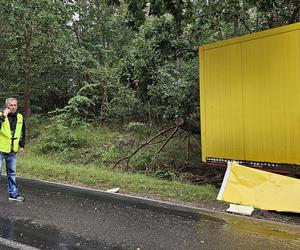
pixel 110 60
pixel 34 126
pixel 125 105
pixel 77 109
pixel 118 62
pixel 171 163
pixel 80 105
pixel 102 100
pixel 136 127
pixel 139 130
pixel 38 33
pixel 103 146
pixel 177 91
pixel 58 137
pixel 143 160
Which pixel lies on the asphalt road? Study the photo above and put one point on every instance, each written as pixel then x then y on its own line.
pixel 63 217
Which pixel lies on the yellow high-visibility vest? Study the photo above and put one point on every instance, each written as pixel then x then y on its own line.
pixel 7 142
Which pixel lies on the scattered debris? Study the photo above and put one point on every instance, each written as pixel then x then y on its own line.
pixel 114 190
pixel 260 189
pixel 240 209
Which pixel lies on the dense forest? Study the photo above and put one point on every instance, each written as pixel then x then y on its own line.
pixel 119 60
pixel 106 79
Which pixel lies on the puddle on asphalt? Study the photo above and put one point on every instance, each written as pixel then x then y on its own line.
pixel 266 229
pixel 259 233
pixel 243 233
pixel 30 233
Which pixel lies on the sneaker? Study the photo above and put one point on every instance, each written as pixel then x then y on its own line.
pixel 16 198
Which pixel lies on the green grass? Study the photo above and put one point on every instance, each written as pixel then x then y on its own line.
pixel 44 168
pixel 85 156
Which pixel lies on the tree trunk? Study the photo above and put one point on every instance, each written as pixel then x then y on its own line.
pixel 27 67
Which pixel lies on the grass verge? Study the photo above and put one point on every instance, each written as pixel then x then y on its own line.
pixel 39 167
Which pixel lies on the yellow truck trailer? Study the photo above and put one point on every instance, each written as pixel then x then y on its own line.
pixel 250 99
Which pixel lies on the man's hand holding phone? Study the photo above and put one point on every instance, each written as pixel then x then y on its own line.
pixel 6 111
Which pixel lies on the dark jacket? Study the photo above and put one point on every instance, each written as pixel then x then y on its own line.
pixel 13 122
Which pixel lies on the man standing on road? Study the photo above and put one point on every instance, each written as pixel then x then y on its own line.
pixel 12 140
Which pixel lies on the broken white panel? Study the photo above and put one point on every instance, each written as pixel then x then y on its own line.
pixel 240 209
pixel 114 190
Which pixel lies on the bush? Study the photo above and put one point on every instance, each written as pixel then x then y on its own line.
pixel 33 126
pixel 104 147
pixel 58 137
pixel 136 127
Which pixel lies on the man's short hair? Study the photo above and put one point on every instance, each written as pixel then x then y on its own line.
pixel 9 100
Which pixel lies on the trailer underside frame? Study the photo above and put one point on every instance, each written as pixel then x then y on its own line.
pixel 280 168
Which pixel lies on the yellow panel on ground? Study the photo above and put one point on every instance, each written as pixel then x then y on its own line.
pixel 221 98
pixel 271 96
pixel 260 189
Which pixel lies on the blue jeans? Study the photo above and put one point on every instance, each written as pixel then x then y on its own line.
pixel 10 160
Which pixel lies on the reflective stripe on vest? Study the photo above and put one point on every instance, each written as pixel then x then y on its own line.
pixel 7 142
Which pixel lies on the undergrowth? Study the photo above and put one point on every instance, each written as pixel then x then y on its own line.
pixel 102 145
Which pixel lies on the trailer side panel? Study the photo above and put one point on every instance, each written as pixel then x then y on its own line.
pixel 250 97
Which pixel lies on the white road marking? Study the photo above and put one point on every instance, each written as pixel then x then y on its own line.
pixel 16 245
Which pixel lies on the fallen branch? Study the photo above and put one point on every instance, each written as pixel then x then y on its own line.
pixel 169 138
pixel 127 158
pixel 184 126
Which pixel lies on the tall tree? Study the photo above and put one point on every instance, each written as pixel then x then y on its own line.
pixel 29 24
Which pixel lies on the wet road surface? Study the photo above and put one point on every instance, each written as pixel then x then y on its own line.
pixel 60 217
